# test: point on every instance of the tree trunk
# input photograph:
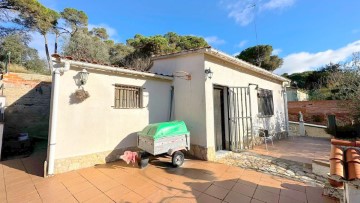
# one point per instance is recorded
(56, 43)
(47, 53)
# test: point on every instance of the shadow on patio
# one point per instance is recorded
(195, 181)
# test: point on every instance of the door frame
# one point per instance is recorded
(224, 117)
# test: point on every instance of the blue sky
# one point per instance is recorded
(306, 33)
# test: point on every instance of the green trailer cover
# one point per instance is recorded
(164, 129)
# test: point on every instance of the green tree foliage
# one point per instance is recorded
(33, 15)
(83, 45)
(162, 44)
(21, 53)
(261, 56)
(74, 19)
(100, 32)
(119, 53)
(316, 82)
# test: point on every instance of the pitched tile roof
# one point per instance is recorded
(71, 58)
(344, 162)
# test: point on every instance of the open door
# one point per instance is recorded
(240, 118)
(219, 118)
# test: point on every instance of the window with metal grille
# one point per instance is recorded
(128, 97)
(265, 102)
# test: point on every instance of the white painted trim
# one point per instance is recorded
(308, 124)
(113, 69)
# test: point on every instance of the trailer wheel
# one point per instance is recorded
(143, 159)
(177, 158)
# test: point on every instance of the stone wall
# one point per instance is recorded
(316, 112)
(27, 104)
(89, 160)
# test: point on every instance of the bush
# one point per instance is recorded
(346, 132)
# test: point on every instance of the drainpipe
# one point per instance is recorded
(54, 116)
(286, 84)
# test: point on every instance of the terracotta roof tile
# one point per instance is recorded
(336, 153)
(344, 166)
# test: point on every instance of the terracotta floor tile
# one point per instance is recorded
(200, 186)
(204, 198)
(80, 187)
(60, 194)
(159, 196)
(294, 194)
(285, 199)
(117, 193)
(99, 199)
(293, 186)
(107, 185)
(235, 197)
(61, 199)
(244, 189)
(87, 194)
(217, 191)
(269, 189)
(266, 196)
(181, 200)
(131, 197)
(24, 197)
(256, 201)
(189, 194)
(316, 197)
(227, 184)
(146, 190)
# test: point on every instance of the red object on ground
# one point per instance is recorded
(129, 156)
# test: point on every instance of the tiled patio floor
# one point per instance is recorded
(300, 149)
(196, 181)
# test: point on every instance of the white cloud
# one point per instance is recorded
(214, 40)
(277, 4)
(276, 51)
(242, 43)
(305, 61)
(243, 11)
(112, 32)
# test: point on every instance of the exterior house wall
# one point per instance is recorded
(93, 131)
(193, 100)
(189, 96)
(226, 74)
(294, 94)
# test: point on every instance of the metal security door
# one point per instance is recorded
(240, 119)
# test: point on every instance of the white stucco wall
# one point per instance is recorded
(95, 125)
(189, 95)
(193, 99)
(226, 74)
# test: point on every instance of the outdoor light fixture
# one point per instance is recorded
(209, 73)
(83, 76)
(256, 85)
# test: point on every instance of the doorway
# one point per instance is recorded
(219, 118)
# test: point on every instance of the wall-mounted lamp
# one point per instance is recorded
(83, 76)
(209, 73)
(256, 85)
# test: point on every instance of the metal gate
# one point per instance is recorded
(240, 118)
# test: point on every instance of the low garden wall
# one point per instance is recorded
(316, 112)
(312, 130)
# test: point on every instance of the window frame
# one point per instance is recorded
(129, 91)
(266, 107)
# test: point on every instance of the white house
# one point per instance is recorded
(295, 94)
(223, 101)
